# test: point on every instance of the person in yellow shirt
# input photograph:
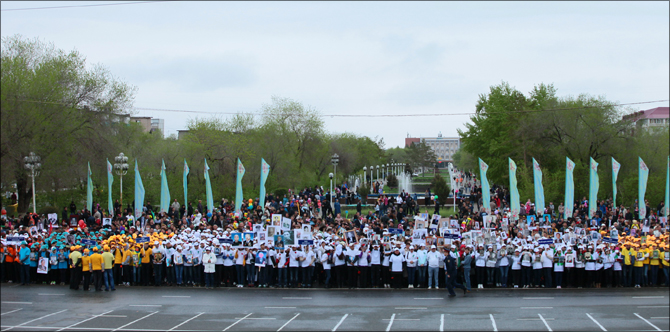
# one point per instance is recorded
(127, 265)
(75, 267)
(117, 250)
(86, 269)
(629, 258)
(645, 247)
(665, 262)
(654, 262)
(108, 261)
(97, 266)
(146, 264)
(638, 266)
(135, 254)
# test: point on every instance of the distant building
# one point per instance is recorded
(444, 147)
(182, 133)
(658, 117)
(149, 124)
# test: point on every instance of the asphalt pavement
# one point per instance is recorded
(57, 308)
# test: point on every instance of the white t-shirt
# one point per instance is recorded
(396, 262)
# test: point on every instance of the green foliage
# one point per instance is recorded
(280, 192)
(392, 181)
(541, 125)
(364, 190)
(49, 209)
(440, 188)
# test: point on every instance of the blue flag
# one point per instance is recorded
(139, 193)
(539, 189)
(569, 188)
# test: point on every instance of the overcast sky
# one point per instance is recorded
(361, 57)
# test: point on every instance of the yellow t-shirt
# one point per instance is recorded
(108, 258)
(655, 253)
(85, 260)
(626, 256)
(639, 258)
(96, 262)
(75, 256)
(647, 254)
(118, 256)
(146, 256)
(663, 261)
(126, 254)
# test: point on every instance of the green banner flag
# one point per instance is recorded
(208, 189)
(539, 189)
(238, 187)
(514, 191)
(486, 189)
(165, 191)
(186, 171)
(615, 173)
(139, 194)
(265, 170)
(110, 180)
(89, 191)
(642, 188)
(594, 184)
(569, 188)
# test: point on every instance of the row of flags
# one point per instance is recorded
(165, 191)
(643, 175)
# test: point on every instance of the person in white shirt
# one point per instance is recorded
(559, 266)
(295, 255)
(352, 257)
(396, 260)
(307, 266)
(386, 268)
(434, 257)
(282, 262)
(491, 258)
(422, 265)
(375, 262)
(339, 266)
(326, 261)
(547, 266)
(480, 265)
(537, 266)
(209, 262)
(228, 265)
(411, 258)
(516, 267)
(218, 251)
(364, 266)
(503, 263)
(240, 254)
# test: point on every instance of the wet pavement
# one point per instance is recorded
(57, 308)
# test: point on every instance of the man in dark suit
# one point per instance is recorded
(450, 271)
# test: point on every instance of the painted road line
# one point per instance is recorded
(538, 298)
(659, 317)
(146, 305)
(493, 321)
(259, 318)
(653, 306)
(9, 312)
(237, 321)
(296, 298)
(648, 297)
(399, 319)
(340, 322)
(186, 321)
(290, 320)
(411, 308)
(8, 302)
(174, 296)
(648, 322)
(441, 322)
(429, 298)
(545, 322)
(279, 307)
(36, 319)
(595, 321)
(537, 307)
(59, 327)
(388, 328)
(85, 320)
(547, 319)
(114, 316)
(46, 294)
(135, 321)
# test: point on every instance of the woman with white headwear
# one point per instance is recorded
(209, 262)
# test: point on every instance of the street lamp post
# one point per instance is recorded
(335, 159)
(121, 167)
(365, 174)
(377, 173)
(32, 163)
(371, 178)
(331, 190)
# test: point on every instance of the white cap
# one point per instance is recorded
(433, 247)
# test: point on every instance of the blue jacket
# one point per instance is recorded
(24, 255)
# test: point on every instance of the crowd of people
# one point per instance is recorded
(298, 240)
